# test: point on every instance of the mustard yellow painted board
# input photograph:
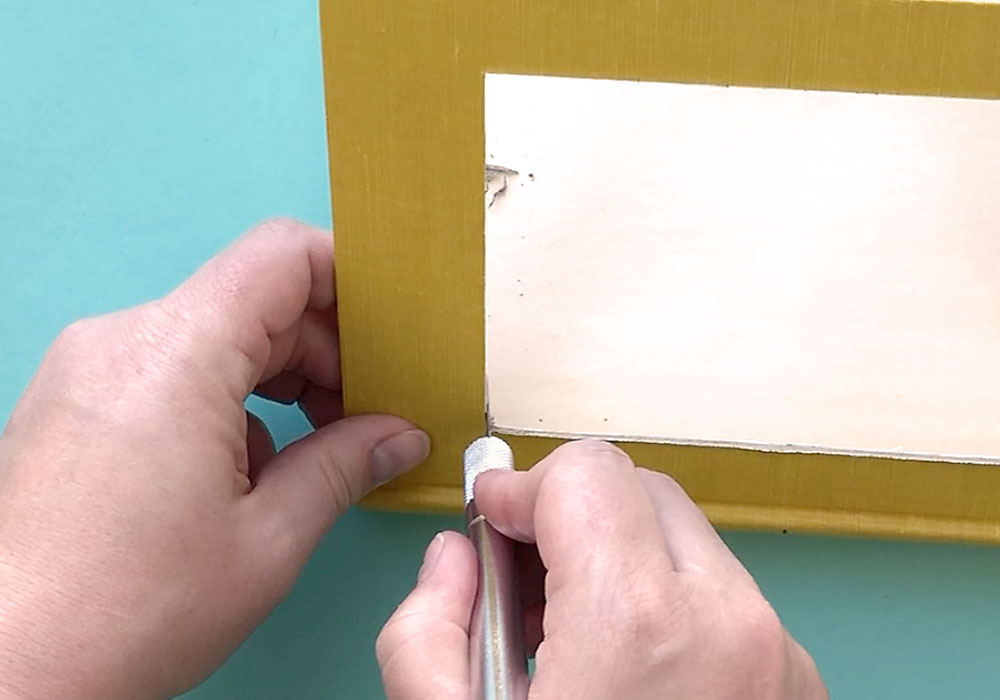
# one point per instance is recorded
(404, 90)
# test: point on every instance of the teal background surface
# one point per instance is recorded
(138, 138)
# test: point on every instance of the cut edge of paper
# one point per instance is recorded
(789, 448)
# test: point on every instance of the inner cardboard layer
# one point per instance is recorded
(787, 269)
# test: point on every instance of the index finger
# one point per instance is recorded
(586, 508)
(251, 293)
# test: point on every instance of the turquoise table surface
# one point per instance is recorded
(138, 138)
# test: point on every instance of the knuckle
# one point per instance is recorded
(666, 481)
(278, 586)
(385, 643)
(403, 630)
(411, 638)
(76, 337)
(334, 474)
(86, 353)
(283, 226)
(151, 326)
(762, 631)
(149, 337)
(758, 639)
(589, 454)
(575, 465)
(590, 448)
(76, 363)
(665, 478)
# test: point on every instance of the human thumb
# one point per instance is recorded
(423, 650)
(300, 492)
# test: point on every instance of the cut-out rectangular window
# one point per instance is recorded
(789, 269)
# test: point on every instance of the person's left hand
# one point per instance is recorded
(146, 523)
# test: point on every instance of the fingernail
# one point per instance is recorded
(399, 453)
(431, 557)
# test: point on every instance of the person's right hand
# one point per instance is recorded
(642, 599)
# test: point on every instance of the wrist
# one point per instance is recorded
(33, 669)
(16, 683)
(33, 646)
(10, 694)
(18, 680)
(15, 643)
